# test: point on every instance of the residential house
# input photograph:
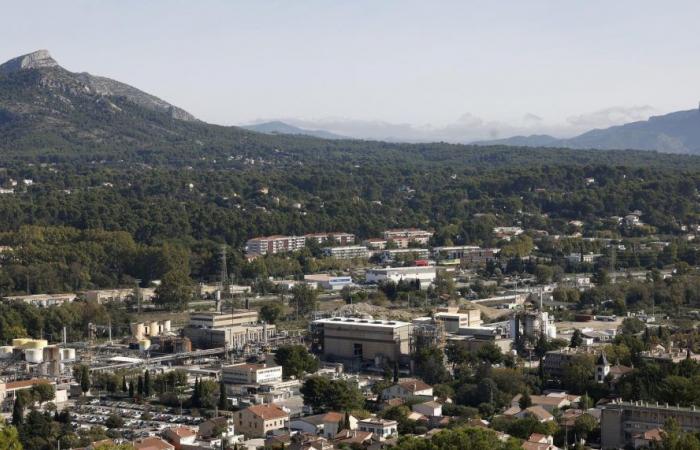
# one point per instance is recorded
(180, 436)
(538, 441)
(152, 443)
(259, 420)
(428, 409)
(380, 428)
(408, 389)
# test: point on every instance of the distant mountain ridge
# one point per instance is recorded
(57, 77)
(279, 127)
(676, 132)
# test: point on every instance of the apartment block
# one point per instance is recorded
(336, 238)
(346, 252)
(404, 236)
(270, 245)
(623, 422)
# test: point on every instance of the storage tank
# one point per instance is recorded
(144, 344)
(6, 351)
(166, 326)
(67, 354)
(138, 330)
(34, 355)
(19, 342)
(36, 343)
(153, 328)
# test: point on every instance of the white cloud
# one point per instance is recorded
(615, 115)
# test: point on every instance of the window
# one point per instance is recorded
(357, 350)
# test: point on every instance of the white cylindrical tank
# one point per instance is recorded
(67, 354)
(166, 326)
(153, 328)
(34, 355)
(6, 351)
(138, 330)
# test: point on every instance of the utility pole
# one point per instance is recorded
(224, 270)
(137, 291)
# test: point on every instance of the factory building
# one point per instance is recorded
(219, 320)
(424, 274)
(453, 319)
(364, 340)
(328, 282)
(251, 374)
(234, 330)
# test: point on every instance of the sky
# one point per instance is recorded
(405, 70)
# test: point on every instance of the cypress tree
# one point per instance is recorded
(124, 386)
(147, 384)
(84, 379)
(196, 393)
(139, 386)
(17, 412)
(131, 389)
(223, 400)
(346, 422)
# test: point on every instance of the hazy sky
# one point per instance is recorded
(434, 67)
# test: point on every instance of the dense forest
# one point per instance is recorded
(105, 220)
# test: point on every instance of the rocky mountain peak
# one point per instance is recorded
(35, 60)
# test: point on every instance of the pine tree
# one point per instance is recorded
(576, 339)
(18, 412)
(525, 400)
(346, 422)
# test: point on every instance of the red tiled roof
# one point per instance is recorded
(152, 443)
(24, 384)
(333, 417)
(182, 431)
(414, 385)
(268, 412)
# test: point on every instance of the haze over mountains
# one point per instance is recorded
(44, 107)
(677, 132)
(279, 127)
